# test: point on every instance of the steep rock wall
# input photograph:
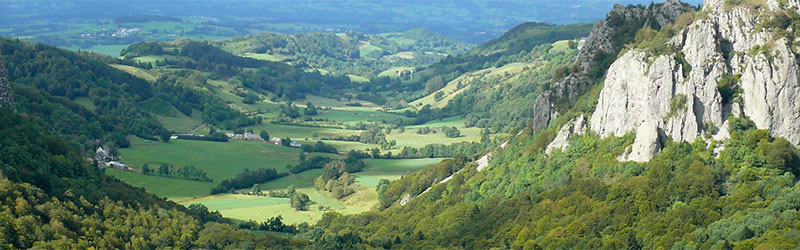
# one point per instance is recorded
(641, 89)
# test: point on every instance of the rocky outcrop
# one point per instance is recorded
(605, 41)
(577, 127)
(677, 95)
(6, 95)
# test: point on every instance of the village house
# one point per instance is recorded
(119, 165)
(249, 136)
(276, 141)
(102, 155)
(295, 144)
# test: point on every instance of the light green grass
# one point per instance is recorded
(365, 48)
(357, 79)
(451, 90)
(147, 75)
(403, 55)
(109, 50)
(220, 160)
(158, 106)
(333, 103)
(264, 56)
(300, 132)
(181, 123)
(357, 116)
(258, 208)
(171, 188)
(390, 169)
(86, 103)
(304, 179)
(392, 72)
(412, 139)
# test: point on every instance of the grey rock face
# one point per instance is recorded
(577, 127)
(6, 95)
(600, 42)
(641, 92)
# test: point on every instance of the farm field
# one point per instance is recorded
(451, 90)
(300, 132)
(264, 56)
(392, 72)
(412, 139)
(355, 116)
(391, 169)
(220, 160)
(259, 208)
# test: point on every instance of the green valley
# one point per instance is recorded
(665, 125)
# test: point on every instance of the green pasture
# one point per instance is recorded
(391, 169)
(220, 160)
(259, 208)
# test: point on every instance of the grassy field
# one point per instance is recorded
(337, 104)
(357, 78)
(357, 116)
(220, 160)
(451, 90)
(109, 50)
(365, 48)
(412, 139)
(246, 207)
(391, 169)
(301, 132)
(264, 56)
(392, 72)
(304, 179)
(86, 103)
(181, 123)
(150, 76)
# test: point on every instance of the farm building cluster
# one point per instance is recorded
(104, 159)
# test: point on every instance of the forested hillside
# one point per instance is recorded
(54, 199)
(571, 184)
(349, 52)
(495, 85)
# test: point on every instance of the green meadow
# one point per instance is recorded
(260, 208)
(220, 160)
(391, 169)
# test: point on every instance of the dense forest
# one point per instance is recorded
(276, 80)
(54, 199)
(49, 82)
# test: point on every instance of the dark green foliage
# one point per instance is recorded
(53, 199)
(142, 49)
(416, 182)
(48, 78)
(584, 198)
(310, 109)
(435, 150)
(300, 201)
(315, 162)
(451, 132)
(264, 135)
(320, 147)
(728, 87)
(274, 224)
(185, 172)
(201, 212)
(246, 179)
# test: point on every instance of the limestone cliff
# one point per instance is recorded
(605, 41)
(682, 95)
(6, 95)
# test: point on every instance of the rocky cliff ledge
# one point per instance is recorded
(732, 60)
(606, 40)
